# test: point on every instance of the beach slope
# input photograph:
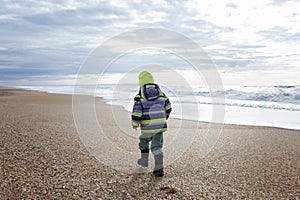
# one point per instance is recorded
(42, 156)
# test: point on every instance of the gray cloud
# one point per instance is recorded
(55, 37)
(280, 2)
(280, 34)
(232, 5)
(97, 16)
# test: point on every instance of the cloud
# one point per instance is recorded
(40, 38)
(280, 34)
(231, 5)
(281, 2)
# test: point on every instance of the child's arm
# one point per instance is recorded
(136, 115)
(168, 107)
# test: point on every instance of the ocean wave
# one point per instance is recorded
(241, 103)
(269, 97)
(279, 94)
(266, 97)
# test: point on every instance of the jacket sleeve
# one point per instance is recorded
(168, 107)
(137, 113)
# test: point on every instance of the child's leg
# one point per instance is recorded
(157, 143)
(156, 148)
(144, 143)
(144, 147)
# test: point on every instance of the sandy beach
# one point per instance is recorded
(42, 157)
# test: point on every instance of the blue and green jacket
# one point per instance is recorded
(151, 109)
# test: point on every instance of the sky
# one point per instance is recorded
(250, 42)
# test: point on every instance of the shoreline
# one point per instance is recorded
(42, 156)
(106, 102)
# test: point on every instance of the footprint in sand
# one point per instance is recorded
(168, 190)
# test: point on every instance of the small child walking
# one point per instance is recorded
(150, 112)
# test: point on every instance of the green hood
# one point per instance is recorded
(145, 77)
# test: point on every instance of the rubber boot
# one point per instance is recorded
(159, 165)
(143, 161)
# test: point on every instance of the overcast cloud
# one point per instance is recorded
(53, 38)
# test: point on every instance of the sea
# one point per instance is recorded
(272, 106)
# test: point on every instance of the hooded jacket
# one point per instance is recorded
(151, 106)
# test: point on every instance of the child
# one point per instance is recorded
(150, 111)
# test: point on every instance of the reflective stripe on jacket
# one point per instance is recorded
(151, 109)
